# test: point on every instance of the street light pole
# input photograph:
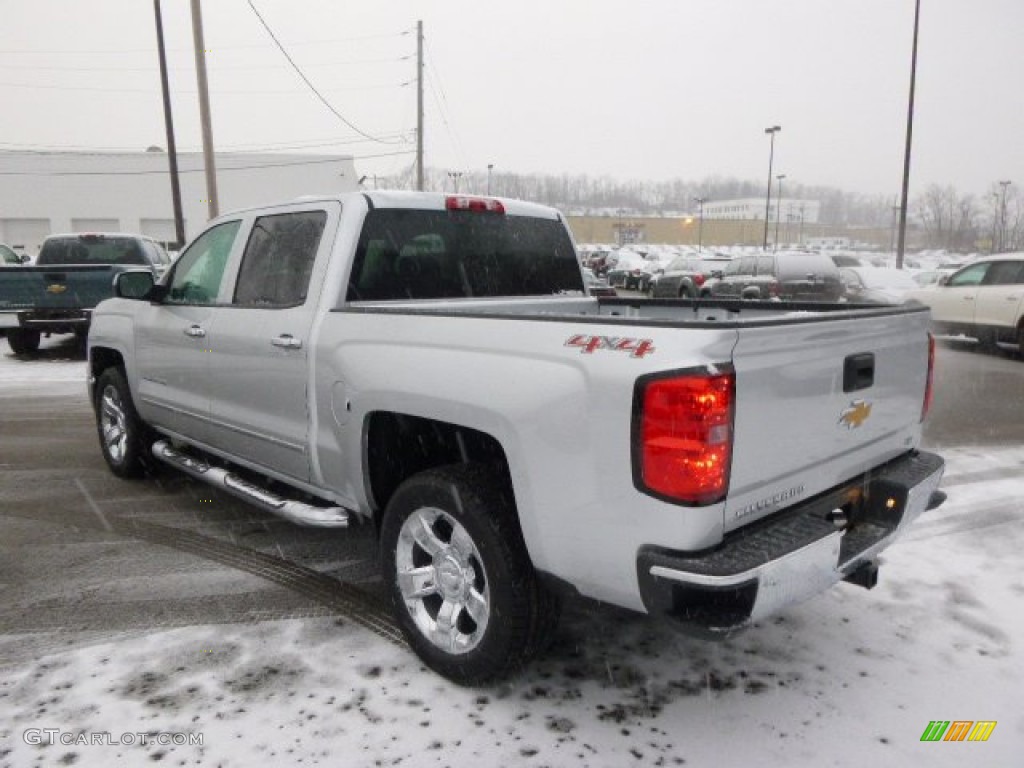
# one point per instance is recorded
(490, 167)
(700, 222)
(902, 242)
(768, 199)
(172, 150)
(1002, 216)
(778, 211)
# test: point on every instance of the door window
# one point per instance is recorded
(200, 270)
(1005, 273)
(278, 259)
(971, 275)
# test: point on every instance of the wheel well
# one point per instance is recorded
(100, 359)
(399, 446)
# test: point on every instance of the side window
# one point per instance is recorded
(278, 259)
(765, 265)
(1005, 273)
(199, 271)
(971, 275)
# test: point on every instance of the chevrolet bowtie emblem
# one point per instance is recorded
(854, 416)
(56, 288)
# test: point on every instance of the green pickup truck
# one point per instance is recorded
(70, 276)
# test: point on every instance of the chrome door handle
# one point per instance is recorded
(287, 341)
(195, 331)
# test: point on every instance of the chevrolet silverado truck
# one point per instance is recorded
(71, 275)
(434, 365)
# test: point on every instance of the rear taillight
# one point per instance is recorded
(928, 391)
(699, 279)
(477, 204)
(682, 447)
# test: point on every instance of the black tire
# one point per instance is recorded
(124, 438)
(478, 575)
(23, 341)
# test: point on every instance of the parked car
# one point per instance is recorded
(434, 394)
(685, 277)
(597, 286)
(629, 271)
(71, 275)
(876, 285)
(783, 275)
(984, 300)
(927, 277)
(9, 256)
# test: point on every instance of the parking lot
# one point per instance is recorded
(93, 562)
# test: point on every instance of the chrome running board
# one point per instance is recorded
(296, 511)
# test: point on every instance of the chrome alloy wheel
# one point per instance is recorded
(113, 423)
(442, 580)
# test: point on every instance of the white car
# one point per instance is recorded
(876, 285)
(984, 299)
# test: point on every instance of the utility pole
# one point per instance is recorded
(768, 198)
(902, 242)
(172, 151)
(490, 167)
(204, 109)
(419, 105)
(700, 222)
(778, 212)
(1002, 216)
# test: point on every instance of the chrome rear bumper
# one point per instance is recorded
(759, 570)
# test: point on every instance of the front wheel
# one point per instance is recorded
(460, 581)
(124, 437)
(23, 341)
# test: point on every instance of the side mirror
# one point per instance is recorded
(134, 284)
(944, 280)
(25, 258)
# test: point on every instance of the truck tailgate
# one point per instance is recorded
(56, 287)
(820, 402)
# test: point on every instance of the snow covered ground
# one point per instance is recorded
(850, 678)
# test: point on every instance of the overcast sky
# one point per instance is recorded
(644, 89)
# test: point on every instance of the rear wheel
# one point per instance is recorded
(460, 581)
(23, 341)
(124, 437)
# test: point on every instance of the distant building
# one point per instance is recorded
(792, 210)
(45, 193)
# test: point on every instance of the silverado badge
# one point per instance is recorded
(854, 416)
(56, 288)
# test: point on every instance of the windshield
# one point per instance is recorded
(90, 249)
(417, 254)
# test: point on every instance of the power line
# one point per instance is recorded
(201, 170)
(219, 67)
(218, 91)
(149, 51)
(442, 103)
(307, 81)
(58, 149)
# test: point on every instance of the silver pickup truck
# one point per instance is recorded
(434, 364)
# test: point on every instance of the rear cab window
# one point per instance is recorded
(91, 249)
(421, 254)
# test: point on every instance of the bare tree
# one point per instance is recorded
(948, 219)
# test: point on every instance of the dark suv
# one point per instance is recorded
(784, 275)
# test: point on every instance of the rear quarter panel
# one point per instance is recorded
(563, 418)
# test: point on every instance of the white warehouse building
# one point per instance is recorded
(59, 192)
(794, 210)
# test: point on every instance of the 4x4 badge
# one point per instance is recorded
(855, 416)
